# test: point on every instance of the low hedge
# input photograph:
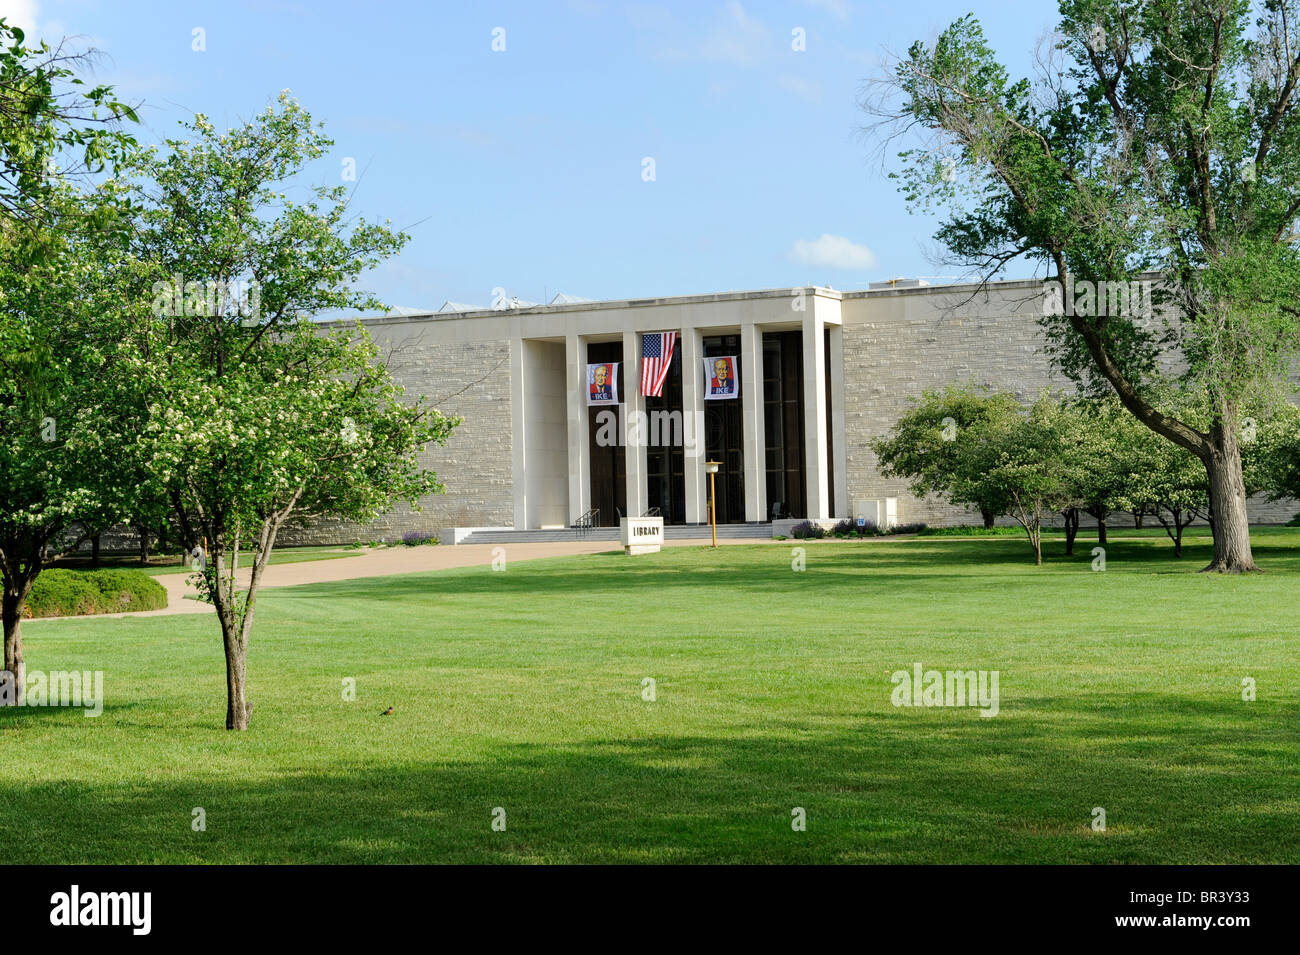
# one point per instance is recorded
(69, 593)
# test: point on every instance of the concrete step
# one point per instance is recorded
(671, 532)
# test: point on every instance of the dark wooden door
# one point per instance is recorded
(608, 458)
(724, 437)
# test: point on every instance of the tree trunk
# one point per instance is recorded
(237, 709)
(1071, 530)
(1101, 529)
(1178, 537)
(94, 551)
(1232, 554)
(144, 544)
(988, 517)
(12, 613)
(1137, 519)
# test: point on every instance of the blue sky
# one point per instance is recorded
(523, 169)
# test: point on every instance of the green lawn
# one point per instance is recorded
(522, 690)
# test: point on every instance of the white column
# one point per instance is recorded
(634, 426)
(755, 443)
(814, 415)
(575, 350)
(519, 429)
(839, 443)
(697, 500)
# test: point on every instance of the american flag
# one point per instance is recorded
(656, 356)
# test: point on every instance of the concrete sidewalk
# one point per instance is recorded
(380, 563)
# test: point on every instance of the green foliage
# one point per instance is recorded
(971, 530)
(1163, 135)
(253, 412)
(936, 444)
(65, 593)
(62, 319)
(1273, 459)
(1160, 136)
(54, 129)
(249, 413)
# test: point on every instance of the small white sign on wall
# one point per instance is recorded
(641, 535)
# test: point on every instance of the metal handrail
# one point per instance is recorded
(587, 521)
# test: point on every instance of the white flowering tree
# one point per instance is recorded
(251, 413)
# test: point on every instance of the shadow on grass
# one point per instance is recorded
(1181, 781)
(832, 567)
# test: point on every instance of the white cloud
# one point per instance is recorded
(834, 252)
(19, 13)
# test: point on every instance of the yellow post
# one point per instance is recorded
(712, 468)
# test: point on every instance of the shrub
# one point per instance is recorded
(1294, 522)
(845, 527)
(972, 530)
(916, 527)
(69, 593)
(416, 538)
(807, 530)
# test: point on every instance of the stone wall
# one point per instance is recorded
(466, 379)
(898, 344)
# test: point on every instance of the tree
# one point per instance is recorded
(1162, 135)
(59, 325)
(1274, 461)
(54, 130)
(55, 230)
(1161, 479)
(1102, 434)
(931, 444)
(1170, 484)
(252, 414)
(1032, 463)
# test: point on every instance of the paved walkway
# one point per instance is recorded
(383, 562)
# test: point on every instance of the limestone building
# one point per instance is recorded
(821, 373)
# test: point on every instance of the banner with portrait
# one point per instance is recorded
(602, 383)
(720, 381)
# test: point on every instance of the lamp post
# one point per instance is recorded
(711, 469)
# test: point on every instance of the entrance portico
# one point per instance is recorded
(788, 354)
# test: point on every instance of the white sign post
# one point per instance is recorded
(641, 535)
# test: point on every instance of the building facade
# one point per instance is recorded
(820, 375)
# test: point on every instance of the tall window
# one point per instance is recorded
(665, 455)
(608, 461)
(724, 437)
(783, 430)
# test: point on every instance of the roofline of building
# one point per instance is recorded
(814, 290)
